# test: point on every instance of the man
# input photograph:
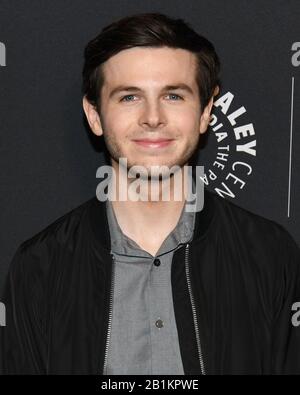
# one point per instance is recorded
(147, 286)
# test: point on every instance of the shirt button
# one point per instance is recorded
(156, 262)
(159, 324)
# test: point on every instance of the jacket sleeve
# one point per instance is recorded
(23, 339)
(286, 318)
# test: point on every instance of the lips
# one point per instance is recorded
(153, 141)
(157, 143)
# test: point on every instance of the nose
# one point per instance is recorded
(152, 115)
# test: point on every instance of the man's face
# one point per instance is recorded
(150, 94)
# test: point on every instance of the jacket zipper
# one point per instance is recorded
(187, 271)
(110, 314)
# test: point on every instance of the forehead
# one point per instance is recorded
(144, 65)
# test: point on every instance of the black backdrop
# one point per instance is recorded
(48, 161)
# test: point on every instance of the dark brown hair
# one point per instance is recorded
(149, 30)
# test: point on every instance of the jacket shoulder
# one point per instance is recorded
(262, 242)
(246, 222)
(35, 254)
(62, 230)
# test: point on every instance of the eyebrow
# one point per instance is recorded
(125, 88)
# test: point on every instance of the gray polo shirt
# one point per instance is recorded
(144, 338)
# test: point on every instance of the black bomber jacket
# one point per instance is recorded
(235, 287)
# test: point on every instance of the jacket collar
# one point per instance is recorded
(98, 220)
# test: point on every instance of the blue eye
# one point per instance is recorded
(173, 94)
(125, 97)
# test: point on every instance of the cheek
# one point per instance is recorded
(118, 128)
(186, 119)
(121, 113)
(188, 128)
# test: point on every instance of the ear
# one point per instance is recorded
(92, 116)
(205, 117)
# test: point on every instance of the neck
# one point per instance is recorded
(152, 208)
